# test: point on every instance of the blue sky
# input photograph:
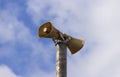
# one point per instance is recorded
(23, 54)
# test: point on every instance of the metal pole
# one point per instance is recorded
(61, 60)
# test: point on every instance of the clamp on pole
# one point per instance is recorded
(62, 40)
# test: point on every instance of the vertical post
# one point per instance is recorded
(61, 60)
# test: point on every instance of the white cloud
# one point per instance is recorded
(103, 59)
(98, 22)
(5, 71)
(37, 72)
(13, 31)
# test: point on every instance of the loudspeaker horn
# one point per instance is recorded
(75, 45)
(48, 31)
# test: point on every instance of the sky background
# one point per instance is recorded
(23, 54)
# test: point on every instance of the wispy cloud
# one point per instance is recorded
(19, 48)
(5, 71)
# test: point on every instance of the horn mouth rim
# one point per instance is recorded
(41, 32)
